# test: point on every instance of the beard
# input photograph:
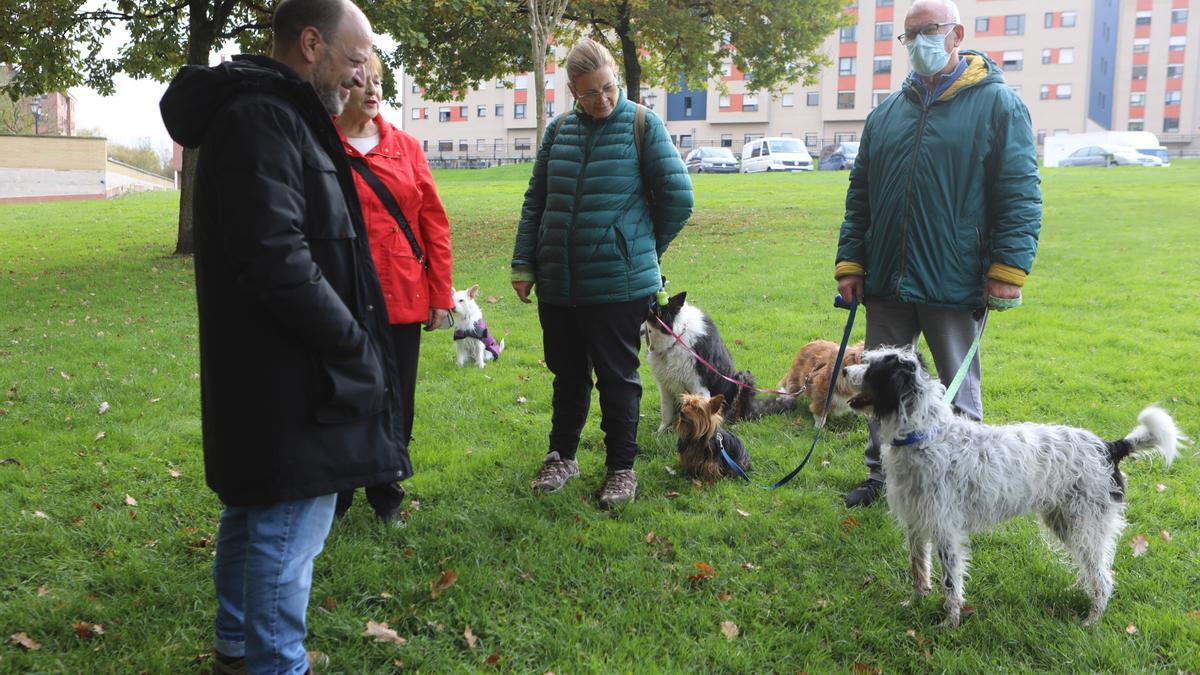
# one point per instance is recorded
(328, 87)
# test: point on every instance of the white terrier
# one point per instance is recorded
(949, 476)
(472, 339)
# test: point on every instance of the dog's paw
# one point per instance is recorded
(950, 622)
(662, 428)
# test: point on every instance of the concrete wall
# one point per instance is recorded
(39, 168)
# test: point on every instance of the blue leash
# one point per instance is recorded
(840, 303)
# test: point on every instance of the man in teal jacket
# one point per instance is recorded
(943, 210)
(604, 201)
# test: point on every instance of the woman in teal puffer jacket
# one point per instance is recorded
(598, 215)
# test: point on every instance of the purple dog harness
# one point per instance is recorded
(479, 331)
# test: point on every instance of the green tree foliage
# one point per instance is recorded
(143, 156)
(454, 45)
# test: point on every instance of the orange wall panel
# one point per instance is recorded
(883, 14)
(521, 96)
(881, 81)
(845, 82)
(1175, 57)
(1137, 85)
(884, 47)
(1175, 84)
(1171, 110)
(1137, 112)
(1179, 29)
(1141, 31)
(1141, 58)
(847, 49)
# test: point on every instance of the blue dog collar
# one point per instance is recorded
(915, 437)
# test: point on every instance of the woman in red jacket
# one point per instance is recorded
(410, 244)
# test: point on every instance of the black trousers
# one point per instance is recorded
(406, 339)
(603, 338)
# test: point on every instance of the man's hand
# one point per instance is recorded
(438, 318)
(522, 288)
(1000, 289)
(851, 287)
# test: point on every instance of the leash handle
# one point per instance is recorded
(840, 302)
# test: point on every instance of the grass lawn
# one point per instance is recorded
(106, 525)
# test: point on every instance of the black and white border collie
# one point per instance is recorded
(677, 372)
(949, 476)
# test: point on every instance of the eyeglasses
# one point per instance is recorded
(608, 90)
(928, 31)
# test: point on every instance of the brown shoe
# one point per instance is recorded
(620, 486)
(228, 665)
(554, 474)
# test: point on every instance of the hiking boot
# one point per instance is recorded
(865, 494)
(554, 474)
(318, 662)
(228, 665)
(620, 486)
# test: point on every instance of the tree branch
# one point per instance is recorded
(109, 15)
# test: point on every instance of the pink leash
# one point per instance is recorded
(713, 368)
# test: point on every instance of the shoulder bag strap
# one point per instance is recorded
(389, 203)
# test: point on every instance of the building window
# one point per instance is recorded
(1136, 125)
(521, 82)
(481, 145)
(849, 33)
(499, 145)
(845, 137)
(1137, 99)
(1041, 137)
(883, 31)
(724, 102)
(884, 3)
(521, 143)
(462, 112)
(687, 106)
(685, 140)
(1174, 71)
(519, 111)
(727, 68)
(810, 140)
(812, 98)
(1139, 72)
(1063, 91)
(1014, 24)
(549, 108)
(726, 140)
(1142, 18)
(1049, 23)
(750, 103)
(981, 24)
(1174, 98)
(649, 101)
(549, 80)
(750, 137)
(446, 146)
(845, 100)
(788, 100)
(463, 145)
(499, 84)
(878, 97)
(1044, 92)
(1067, 20)
(416, 88)
(1179, 15)
(416, 113)
(846, 65)
(425, 145)
(1177, 43)
(1067, 55)
(499, 110)
(1013, 60)
(1141, 45)
(481, 111)
(883, 64)
(1046, 55)
(1170, 125)
(443, 114)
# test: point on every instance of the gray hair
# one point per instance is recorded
(293, 16)
(951, 9)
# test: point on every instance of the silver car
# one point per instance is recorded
(1108, 155)
(711, 160)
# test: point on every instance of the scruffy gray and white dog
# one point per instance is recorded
(949, 476)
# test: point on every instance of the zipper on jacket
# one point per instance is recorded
(908, 198)
(588, 144)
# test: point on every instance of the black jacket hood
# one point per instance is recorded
(198, 92)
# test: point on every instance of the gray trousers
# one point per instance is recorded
(949, 334)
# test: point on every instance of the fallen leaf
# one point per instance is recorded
(729, 629)
(522, 399)
(130, 500)
(492, 659)
(100, 434)
(470, 637)
(824, 463)
(173, 473)
(1131, 629)
(330, 603)
(43, 590)
(65, 374)
(155, 400)
(492, 299)
(1160, 487)
(442, 583)
(103, 408)
(671, 471)
(385, 595)
(39, 514)
(24, 641)
(399, 663)
(822, 603)
(750, 566)
(650, 537)
(864, 668)
(742, 513)
(704, 572)
(738, 342)
(850, 521)
(382, 633)
(1139, 544)
(415, 504)
(1166, 536)
(671, 494)
(724, 595)
(83, 629)
(697, 484)
(1194, 614)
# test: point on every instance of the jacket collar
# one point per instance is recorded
(979, 70)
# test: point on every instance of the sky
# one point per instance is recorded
(131, 114)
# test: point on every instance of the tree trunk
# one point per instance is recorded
(200, 39)
(539, 83)
(629, 54)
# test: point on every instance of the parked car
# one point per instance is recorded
(775, 154)
(711, 160)
(838, 156)
(1108, 155)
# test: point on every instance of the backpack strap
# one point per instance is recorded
(639, 129)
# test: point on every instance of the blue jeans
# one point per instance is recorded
(263, 574)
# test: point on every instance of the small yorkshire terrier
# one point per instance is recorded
(811, 372)
(701, 439)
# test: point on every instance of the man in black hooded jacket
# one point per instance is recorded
(295, 375)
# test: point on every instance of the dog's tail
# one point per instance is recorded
(1155, 432)
(743, 401)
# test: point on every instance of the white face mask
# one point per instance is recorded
(928, 54)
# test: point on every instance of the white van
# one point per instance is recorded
(775, 154)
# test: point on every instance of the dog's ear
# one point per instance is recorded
(472, 291)
(715, 403)
(677, 300)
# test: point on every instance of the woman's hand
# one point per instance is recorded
(522, 288)
(438, 318)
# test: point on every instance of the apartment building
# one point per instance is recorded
(1079, 65)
